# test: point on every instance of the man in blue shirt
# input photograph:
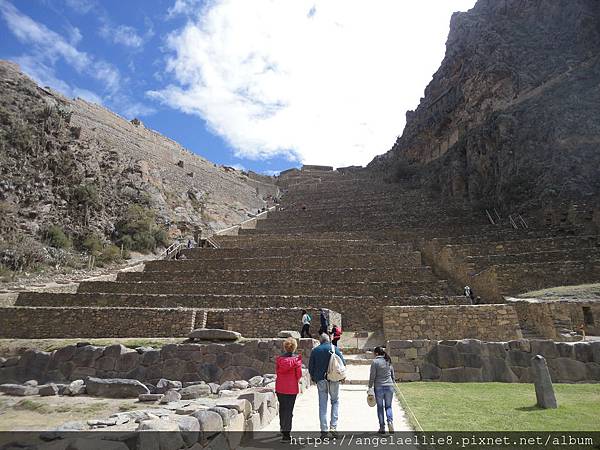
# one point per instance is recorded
(317, 367)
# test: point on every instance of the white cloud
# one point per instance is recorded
(81, 6)
(321, 81)
(122, 34)
(183, 7)
(48, 46)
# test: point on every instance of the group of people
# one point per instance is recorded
(289, 373)
(335, 333)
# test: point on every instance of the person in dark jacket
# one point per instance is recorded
(382, 378)
(288, 367)
(317, 367)
(324, 317)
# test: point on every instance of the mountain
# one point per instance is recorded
(75, 168)
(511, 119)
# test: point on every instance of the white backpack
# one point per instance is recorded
(336, 370)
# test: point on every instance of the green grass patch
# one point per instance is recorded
(500, 407)
(580, 291)
(30, 405)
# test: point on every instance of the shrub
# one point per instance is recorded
(137, 230)
(93, 244)
(111, 253)
(57, 237)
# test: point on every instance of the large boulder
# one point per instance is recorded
(210, 422)
(189, 428)
(115, 387)
(214, 334)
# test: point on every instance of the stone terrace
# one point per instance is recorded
(384, 257)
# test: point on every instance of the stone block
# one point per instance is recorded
(469, 346)
(519, 358)
(462, 375)
(546, 348)
(398, 344)
(150, 397)
(195, 391)
(170, 396)
(404, 376)
(565, 350)
(288, 333)
(496, 369)
(163, 385)
(207, 334)
(583, 352)
(593, 371)
(115, 387)
(430, 372)
(128, 361)
(520, 344)
(566, 370)
(256, 399)
(544, 391)
(445, 357)
(189, 427)
(18, 390)
(150, 357)
(105, 363)
(210, 422)
(47, 390)
(596, 351)
(472, 360)
(86, 356)
(65, 353)
(76, 387)
(496, 349)
(240, 405)
(115, 351)
(225, 413)
(167, 438)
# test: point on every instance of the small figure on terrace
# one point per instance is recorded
(336, 334)
(306, 320)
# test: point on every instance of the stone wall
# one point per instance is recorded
(451, 322)
(472, 360)
(549, 318)
(255, 322)
(86, 322)
(359, 313)
(213, 362)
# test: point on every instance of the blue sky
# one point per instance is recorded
(262, 85)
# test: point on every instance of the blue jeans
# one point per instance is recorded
(328, 389)
(384, 396)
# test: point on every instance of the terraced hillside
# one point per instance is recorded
(380, 260)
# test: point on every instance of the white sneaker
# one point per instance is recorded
(391, 427)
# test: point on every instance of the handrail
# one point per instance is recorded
(239, 225)
(490, 217)
(171, 249)
(212, 242)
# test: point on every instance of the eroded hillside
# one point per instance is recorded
(80, 169)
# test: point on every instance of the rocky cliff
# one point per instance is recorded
(512, 116)
(78, 166)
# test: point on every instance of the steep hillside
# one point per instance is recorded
(512, 117)
(82, 169)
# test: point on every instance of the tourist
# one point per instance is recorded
(468, 294)
(383, 380)
(317, 367)
(288, 367)
(336, 334)
(324, 318)
(306, 320)
(190, 244)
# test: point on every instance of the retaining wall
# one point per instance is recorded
(214, 362)
(89, 322)
(451, 322)
(472, 360)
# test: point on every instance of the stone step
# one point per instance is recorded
(322, 275)
(400, 288)
(272, 251)
(364, 260)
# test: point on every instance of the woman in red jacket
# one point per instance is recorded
(289, 371)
